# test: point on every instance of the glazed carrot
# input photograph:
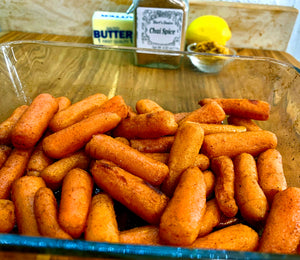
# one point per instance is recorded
(156, 145)
(115, 104)
(249, 196)
(144, 106)
(69, 140)
(34, 121)
(149, 125)
(145, 235)
(246, 122)
(161, 157)
(53, 174)
(210, 182)
(224, 190)
(76, 197)
(63, 103)
(38, 161)
(132, 191)
(4, 153)
(76, 112)
(123, 140)
(246, 108)
(7, 216)
(237, 237)
(45, 211)
(186, 146)
(6, 127)
(232, 144)
(102, 224)
(180, 116)
(22, 194)
(202, 161)
(281, 234)
(131, 112)
(105, 147)
(211, 218)
(180, 222)
(270, 173)
(13, 168)
(219, 128)
(211, 113)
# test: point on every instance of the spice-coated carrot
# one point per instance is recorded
(211, 113)
(156, 145)
(246, 122)
(63, 103)
(38, 161)
(13, 168)
(161, 157)
(123, 140)
(237, 237)
(45, 211)
(145, 235)
(270, 173)
(211, 218)
(7, 216)
(22, 194)
(132, 191)
(186, 146)
(233, 144)
(6, 127)
(102, 224)
(115, 104)
(281, 234)
(246, 108)
(249, 196)
(224, 190)
(105, 147)
(210, 182)
(220, 128)
(70, 139)
(76, 197)
(76, 112)
(53, 174)
(149, 125)
(4, 153)
(147, 106)
(34, 121)
(180, 222)
(202, 161)
(180, 116)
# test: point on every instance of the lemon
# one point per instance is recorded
(208, 28)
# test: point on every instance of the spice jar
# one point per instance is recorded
(159, 25)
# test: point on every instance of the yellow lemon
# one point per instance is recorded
(208, 28)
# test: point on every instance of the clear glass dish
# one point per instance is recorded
(78, 70)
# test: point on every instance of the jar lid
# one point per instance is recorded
(133, 6)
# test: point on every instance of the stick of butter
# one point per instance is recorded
(112, 28)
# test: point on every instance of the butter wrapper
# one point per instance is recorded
(113, 28)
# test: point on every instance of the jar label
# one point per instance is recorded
(159, 28)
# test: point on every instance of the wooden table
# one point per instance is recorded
(19, 36)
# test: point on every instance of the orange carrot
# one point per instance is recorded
(13, 168)
(45, 211)
(7, 126)
(69, 140)
(180, 222)
(63, 103)
(76, 197)
(4, 153)
(76, 112)
(22, 194)
(147, 106)
(145, 235)
(246, 108)
(105, 147)
(102, 224)
(34, 121)
(156, 145)
(246, 122)
(210, 182)
(132, 191)
(7, 216)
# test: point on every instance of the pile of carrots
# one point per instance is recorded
(196, 181)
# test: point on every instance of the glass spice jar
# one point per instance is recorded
(159, 25)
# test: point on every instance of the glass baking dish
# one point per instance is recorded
(28, 68)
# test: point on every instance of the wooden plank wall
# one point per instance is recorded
(252, 25)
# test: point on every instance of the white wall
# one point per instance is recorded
(294, 43)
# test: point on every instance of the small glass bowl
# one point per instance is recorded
(209, 62)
